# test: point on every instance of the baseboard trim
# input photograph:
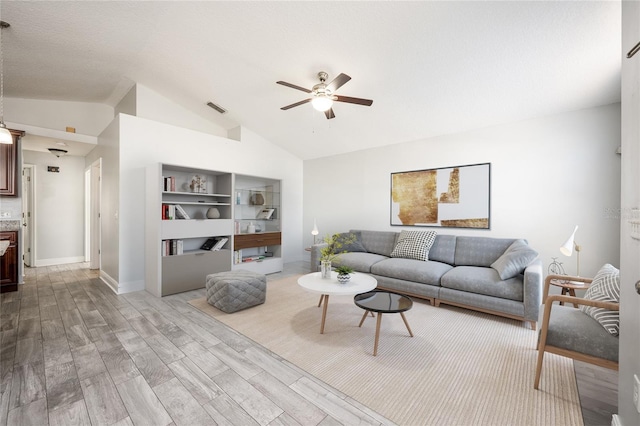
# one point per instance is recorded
(110, 282)
(58, 261)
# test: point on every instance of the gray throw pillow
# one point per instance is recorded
(606, 288)
(351, 242)
(514, 260)
(414, 244)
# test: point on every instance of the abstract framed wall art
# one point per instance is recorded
(450, 197)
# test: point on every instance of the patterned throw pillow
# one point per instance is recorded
(606, 288)
(414, 244)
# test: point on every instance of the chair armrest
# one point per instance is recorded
(612, 306)
(547, 282)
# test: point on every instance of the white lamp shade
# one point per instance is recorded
(322, 103)
(567, 247)
(5, 135)
(314, 231)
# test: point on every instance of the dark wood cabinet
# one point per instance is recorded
(243, 241)
(9, 263)
(9, 166)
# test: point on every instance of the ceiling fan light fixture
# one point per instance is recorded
(5, 135)
(58, 152)
(322, 103)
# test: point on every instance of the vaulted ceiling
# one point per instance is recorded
(431, 68)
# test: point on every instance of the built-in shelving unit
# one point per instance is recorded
(177, 226)
(257, 224)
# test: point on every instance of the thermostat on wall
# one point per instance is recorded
(53, 169)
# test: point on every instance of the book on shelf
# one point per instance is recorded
(181, 213)
(252, 258)
(168, 212)
(169, 183)
(265, 214)
(172, 247)
(221, 241)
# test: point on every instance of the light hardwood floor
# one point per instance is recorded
(73, 352)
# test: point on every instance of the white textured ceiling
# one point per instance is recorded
(431, 68)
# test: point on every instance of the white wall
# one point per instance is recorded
(59, 209)
(144, 142)
(87, 118)
(154, 106)
(547, 175)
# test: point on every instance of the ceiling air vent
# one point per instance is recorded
(217, 107)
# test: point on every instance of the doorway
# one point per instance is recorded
(28, 214)
(93, 189)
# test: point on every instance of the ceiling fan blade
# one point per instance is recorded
(338, 82)
(329, 113)
(293, 86)
(284, 108)
(359, 101)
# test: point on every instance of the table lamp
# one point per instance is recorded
(568, 247)
(314, 231)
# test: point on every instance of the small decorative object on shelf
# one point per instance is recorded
(198, 184)
(343, 274)
(251, 229)
(556, 268)
(213, 213)
(257, 199)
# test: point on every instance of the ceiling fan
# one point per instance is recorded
(323, 95)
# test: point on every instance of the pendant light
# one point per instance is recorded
(5, 134)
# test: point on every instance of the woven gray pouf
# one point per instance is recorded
(235, 290)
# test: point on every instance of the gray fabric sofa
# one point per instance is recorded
(457, 273)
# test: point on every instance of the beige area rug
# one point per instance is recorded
(461, 368)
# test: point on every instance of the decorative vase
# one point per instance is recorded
(325, 269)
(213, 213)
(251, 229)
(343, 278)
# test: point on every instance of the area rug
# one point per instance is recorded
(460, 368)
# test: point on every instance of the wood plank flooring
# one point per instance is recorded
(73, 352)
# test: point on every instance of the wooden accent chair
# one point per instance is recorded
(569, 332)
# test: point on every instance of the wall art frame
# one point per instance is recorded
(445, 197)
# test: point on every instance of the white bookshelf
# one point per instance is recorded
(174, 273)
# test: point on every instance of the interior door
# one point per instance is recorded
(630, 217)
(95, 239)
(27, 214)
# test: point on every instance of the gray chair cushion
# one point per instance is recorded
(425, 272)
(350, 242)
(485, 281)
(572, 329)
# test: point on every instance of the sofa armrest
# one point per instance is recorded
(315, 256)
(533, 290)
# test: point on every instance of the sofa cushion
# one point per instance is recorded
(514, 260)
(443, 249)
(425, 272)
(378, 242)
(350, 242)
(358, 261)
(414, 245)
(480, 251)
(605, 287)
(479, 280)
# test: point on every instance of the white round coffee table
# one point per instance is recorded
(314, 283)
